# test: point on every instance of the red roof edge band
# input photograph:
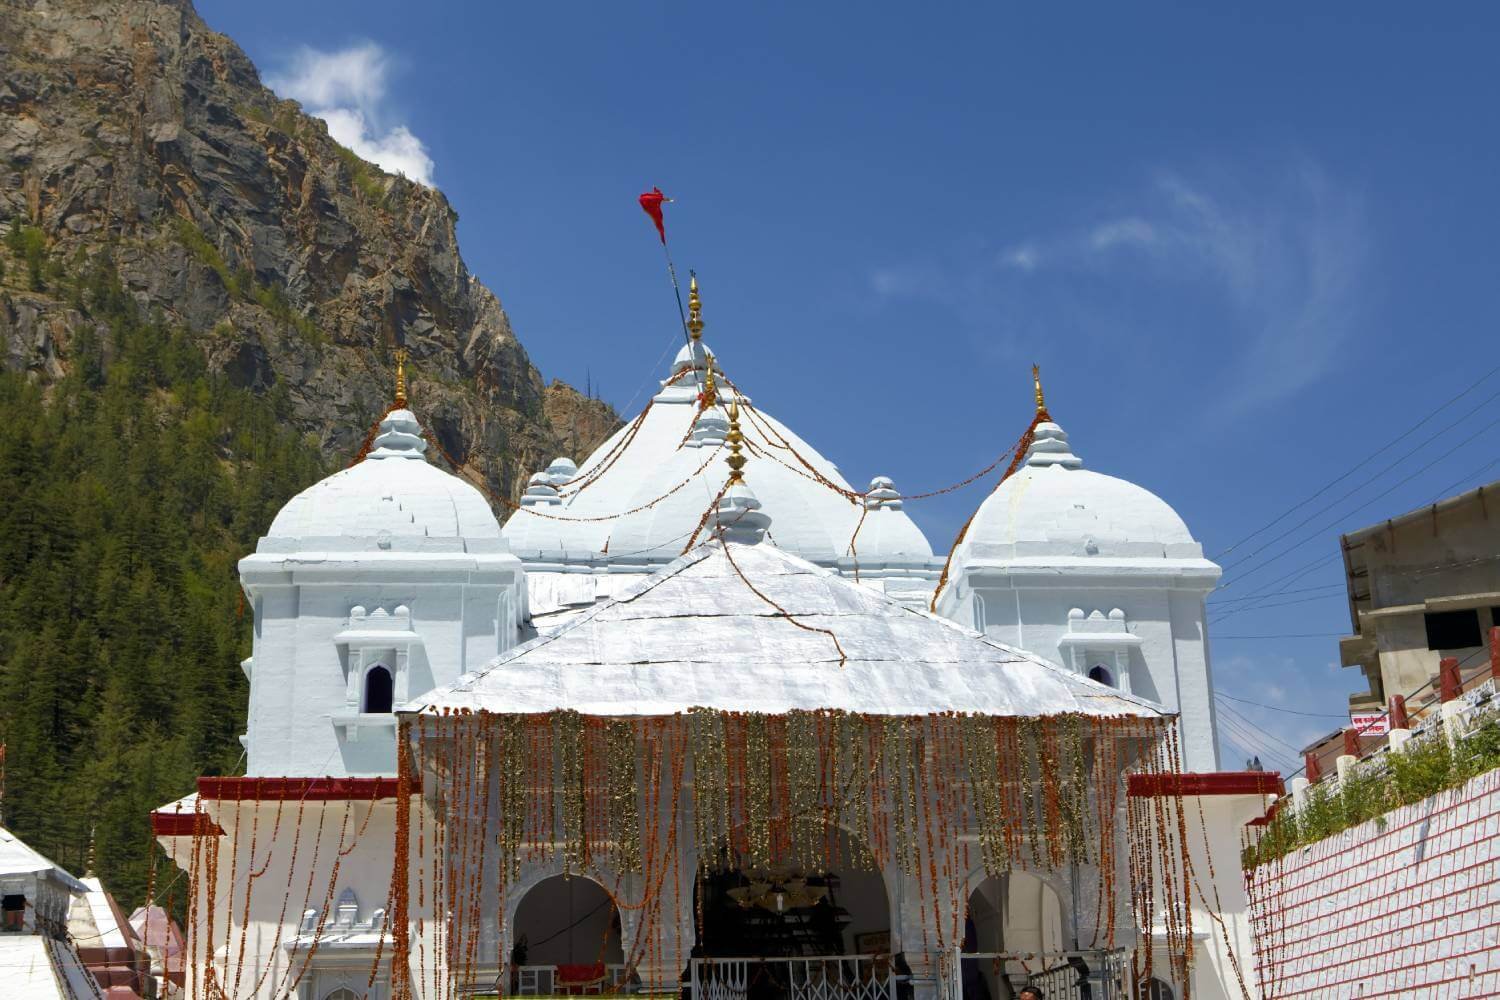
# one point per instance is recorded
(180, 824)
(297, 789)
(1211, 783)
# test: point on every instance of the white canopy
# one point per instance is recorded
(695, 635)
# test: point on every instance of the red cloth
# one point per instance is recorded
(580, 974)
(651, 203)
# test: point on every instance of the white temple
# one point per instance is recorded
(1087, 570)
(635, 586)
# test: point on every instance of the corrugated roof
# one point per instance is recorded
(695, 635)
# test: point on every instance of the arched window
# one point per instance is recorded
(1101, 674)
(1156, 989)
(342, 993)
(380, 690)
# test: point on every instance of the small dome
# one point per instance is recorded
(887, 534)
(394, 494)
(1054, 506)
(692, 355)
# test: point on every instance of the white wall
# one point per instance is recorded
(1170, 666)
(298, 680)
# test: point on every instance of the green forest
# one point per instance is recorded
(134, 484)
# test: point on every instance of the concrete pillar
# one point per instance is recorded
(1344, 765)
(1397, 740)
(1453, 720)
(1300, 785)
(1450, 682)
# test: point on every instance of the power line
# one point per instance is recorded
(1291, 603)
(1251, 729)
(1409, 695)
(1447, 491)
(1376, 454)
(1288, 578)
(1311, 566)
(1304, 590)
(1287, 635)
(1273, 708)
(1327, 507)
(1249, 743)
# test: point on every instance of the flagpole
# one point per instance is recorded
(677, 290)
(651, 202)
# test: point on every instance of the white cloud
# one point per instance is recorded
(1122, 232)
(347, 89)
(1022, 258)
(1267, 266)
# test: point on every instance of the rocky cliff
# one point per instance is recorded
(129, 129)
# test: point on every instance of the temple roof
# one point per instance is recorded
(392, 499)
(19, 858)
(1053, 512)
(666, 469)
(695, 634)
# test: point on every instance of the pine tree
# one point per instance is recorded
(133, 487)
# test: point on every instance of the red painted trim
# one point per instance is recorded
(1211, 783)
(297, 789)
(180, 824)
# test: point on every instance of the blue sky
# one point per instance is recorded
(1248, 247)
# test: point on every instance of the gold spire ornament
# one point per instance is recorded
(695, 309)
(710, 391)
(735, 461)
(401, 356)
(1041, 402)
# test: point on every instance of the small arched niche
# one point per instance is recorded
(380, 691)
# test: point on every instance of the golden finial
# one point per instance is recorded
(1041, 402)
(401, 356)
(695, 308)
(736, 461)
(710, 391)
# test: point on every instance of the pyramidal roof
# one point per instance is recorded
(695, 634)
(19, 858)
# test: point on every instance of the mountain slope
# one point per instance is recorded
(200, 295)
(128, 126)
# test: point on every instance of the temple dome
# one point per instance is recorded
(393, 498)
(1053, 506)
(666, 470)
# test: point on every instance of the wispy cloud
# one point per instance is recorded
(1269, 266)
(347, 89)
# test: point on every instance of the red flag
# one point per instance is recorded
(651, 203)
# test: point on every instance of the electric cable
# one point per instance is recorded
(1366, 461)
(1386, 492)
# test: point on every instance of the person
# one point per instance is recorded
(1031, 993)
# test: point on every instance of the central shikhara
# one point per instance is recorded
(702, 732)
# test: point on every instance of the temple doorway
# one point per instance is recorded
(795, 929)
(567, 940)
(1012, 937)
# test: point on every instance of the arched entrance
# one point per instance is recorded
(567, 940)
(794, 928)
(1012, 937)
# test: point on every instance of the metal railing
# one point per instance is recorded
(1060, 975)
(820, 977)
(543, 981)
